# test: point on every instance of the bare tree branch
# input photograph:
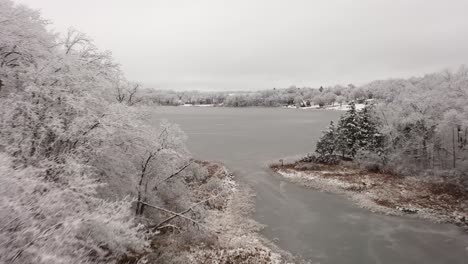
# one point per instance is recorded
(177, 172)
(174, 213)
(131, 94)
(170, 226)
(144, 167)
(158, 226)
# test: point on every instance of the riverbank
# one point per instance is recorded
(227, 233)
(428, 198)
(337, 107)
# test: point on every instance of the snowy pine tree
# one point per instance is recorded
(368, 136)
(348, 132)
(326, 146)
(356, 131)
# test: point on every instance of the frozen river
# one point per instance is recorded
(323, 228)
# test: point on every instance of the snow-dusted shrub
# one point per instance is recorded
(213, 185)
(61, 222)
(370, 161)
(199, 173)
(309, 158)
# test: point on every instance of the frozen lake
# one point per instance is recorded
(323, 228)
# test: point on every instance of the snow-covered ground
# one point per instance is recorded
(311, 107)
(199, 105)
(385, 193)
(227, 210)
(343, 107)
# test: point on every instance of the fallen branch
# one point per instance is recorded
(179, 171)
(158, 226)
(170, 226)
(172, 175)
(174, 213)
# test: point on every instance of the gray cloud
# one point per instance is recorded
(242, 44)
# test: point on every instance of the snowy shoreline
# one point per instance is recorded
(234, 233)
(343, 107)
(385, 194)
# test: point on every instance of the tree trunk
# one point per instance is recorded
(424, 153)
(464, 140)
(453, 148)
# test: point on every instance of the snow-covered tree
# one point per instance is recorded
(329, 98)
(368, 137)
(320, 101)
(326, 146)
(357, 131)
(348, 132)
(423, 120)
(340, 99)
(71, 156)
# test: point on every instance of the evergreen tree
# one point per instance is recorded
(368, 135)
(348, 132)
(326, 146)
(357, 130)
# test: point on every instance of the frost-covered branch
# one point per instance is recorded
(175, 173)
(158, 226)
(175, 214)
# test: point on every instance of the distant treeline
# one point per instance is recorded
(299, 96)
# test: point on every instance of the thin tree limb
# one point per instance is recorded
(176, 173)
(187, 210)
(174, 213)
(170, 226)
(144, 167)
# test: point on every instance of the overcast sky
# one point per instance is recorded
(261, 44)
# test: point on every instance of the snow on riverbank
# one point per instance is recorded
(388, 194)
(343, 107)
(237, 233)
(199, 105)
(227, 232)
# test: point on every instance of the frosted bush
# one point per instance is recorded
(370, 161)
(46, 222)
